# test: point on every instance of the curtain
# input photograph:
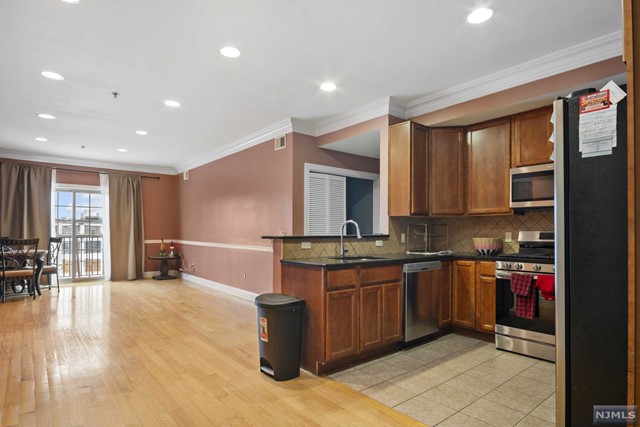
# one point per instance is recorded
(106, 233)
(25, 205)
(125, 222)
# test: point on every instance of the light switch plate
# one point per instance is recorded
(507, 237)
(305, 245)
(403, 238)
(378, 242)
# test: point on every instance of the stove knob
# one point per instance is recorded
(553, 268)
(518, 266)
(536, 267)
(507, 265)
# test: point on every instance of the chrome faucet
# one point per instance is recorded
(342, 227)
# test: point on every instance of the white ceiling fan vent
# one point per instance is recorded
(280, 142)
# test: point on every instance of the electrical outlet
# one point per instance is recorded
(403, 238)
(193, 267)
(244, 275)
(305, 245)
(507, 237)
(378, 243)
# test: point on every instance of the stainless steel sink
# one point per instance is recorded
(356, 258)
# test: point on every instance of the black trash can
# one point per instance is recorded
(280, 335)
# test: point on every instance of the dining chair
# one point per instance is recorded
(51, 266)
(18, 264)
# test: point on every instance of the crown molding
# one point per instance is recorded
(369, 111)
(277, 129)
(303, 126)
(580, 55)
(129, 167)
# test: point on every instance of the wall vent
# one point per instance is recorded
(280, 142)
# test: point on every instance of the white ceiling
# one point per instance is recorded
(414, 51)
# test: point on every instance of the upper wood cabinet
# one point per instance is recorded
(530, 134)
(446, 174)
(408, 160)
(488, 163)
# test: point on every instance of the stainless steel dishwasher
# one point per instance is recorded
(421, 298)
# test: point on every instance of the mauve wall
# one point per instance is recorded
(235, 201)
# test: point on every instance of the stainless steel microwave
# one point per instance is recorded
(532, 187)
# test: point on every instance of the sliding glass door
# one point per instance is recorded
(78, 220)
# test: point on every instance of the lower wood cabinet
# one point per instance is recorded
(474, 295)
(341, 335)
(444, 276)
(350, 312)
(486, 296)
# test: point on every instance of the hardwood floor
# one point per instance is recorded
(155, 353)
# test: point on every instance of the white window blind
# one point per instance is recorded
(326, 203)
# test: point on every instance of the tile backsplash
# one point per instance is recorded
(460, 232)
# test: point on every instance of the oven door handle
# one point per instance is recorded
(507, 275)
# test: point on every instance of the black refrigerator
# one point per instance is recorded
(591, 266)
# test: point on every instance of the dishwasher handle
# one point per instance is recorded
(416, 267)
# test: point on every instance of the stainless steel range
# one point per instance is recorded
(525, 301)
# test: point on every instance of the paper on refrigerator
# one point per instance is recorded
(597, 127)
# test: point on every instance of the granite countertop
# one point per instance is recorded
(400, 258)
(332, 236)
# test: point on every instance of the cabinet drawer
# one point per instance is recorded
(345, 278)
(384, 274)
(487, 268)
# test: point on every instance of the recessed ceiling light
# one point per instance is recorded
(328, 86)
(480, 15)
(71, 1)
(46, 116)
(41, 139)
(142, 132)
(122, 150)
(51, 75)
(230, 52)
(171, 103)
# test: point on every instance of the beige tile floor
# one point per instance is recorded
(460, 381)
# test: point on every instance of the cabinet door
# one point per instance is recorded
(446, 177)
(464, 293)
(392, 313)
(530, 134)
(486, 303)
(371, 314)
(341, 324)
(445, 294)
(408, 151)
(488, 163)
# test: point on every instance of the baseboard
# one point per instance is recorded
(236, 292)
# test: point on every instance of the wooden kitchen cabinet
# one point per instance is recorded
(380, 306)
(474, 295)
(530, 132)
(464, 294)
(408, 160)
(350, 312)
(342, 324)
(444, 276)
(446, 172)
(486, 296)
(488, 163)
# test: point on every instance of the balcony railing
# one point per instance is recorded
(88, 261)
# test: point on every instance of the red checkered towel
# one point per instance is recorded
(525, 297)
(547, 286)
